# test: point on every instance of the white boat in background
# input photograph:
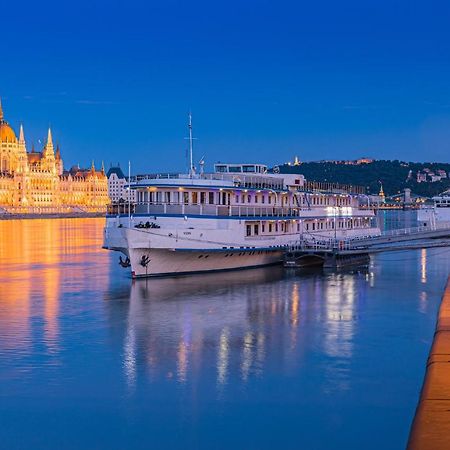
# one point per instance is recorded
(437, 214)
(239, 216)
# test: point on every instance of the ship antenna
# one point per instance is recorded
(191, 146)
(129, 194)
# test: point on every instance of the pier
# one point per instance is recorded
(335, 253)
(431, 426)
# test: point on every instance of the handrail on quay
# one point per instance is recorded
(430, 429)
(368, 243)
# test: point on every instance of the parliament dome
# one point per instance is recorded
(6, 132)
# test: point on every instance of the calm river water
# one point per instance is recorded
(256, 359)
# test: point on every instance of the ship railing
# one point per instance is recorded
(258, 181)
(207, 210)
(322, 245)
(415, 230)
(334, 188)
(239, 179)
(121, 208)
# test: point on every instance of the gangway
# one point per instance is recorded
(352, 251)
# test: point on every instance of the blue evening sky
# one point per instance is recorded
(266, 80)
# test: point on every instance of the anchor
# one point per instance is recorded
(144, 261)
(125, 263)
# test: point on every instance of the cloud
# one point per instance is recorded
(364, 107)
(95, 102)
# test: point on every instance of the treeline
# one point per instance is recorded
(393, 175)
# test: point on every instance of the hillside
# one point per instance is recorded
(393, 175)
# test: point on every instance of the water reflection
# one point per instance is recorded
(193, 353)
(238, 316)
(222, 357)
(38, 260)
(423, 265)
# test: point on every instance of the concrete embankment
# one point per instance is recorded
(431, 426)
(51, 216)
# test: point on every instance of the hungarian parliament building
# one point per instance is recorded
(36, 181)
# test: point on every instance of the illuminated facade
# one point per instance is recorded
(30, 180)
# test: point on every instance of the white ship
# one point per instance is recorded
(437, 214)
(239, 216)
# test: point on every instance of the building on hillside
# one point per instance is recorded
(365, 160)
(117, 186)
(421, 177)
(36, 181)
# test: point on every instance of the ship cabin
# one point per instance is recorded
(442, 200)
(270, 204)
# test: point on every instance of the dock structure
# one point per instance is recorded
(430, 429)
(335, 253)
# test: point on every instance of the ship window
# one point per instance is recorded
(194, 198)
(202, 198)
(256, 230)
(249, 230)
(211, 198)
(270, 228)
(263, 228)
(186, 198)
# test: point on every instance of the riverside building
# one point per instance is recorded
(118, 189)
(37, 182)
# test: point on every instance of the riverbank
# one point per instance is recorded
(431, 426)
(70, 215)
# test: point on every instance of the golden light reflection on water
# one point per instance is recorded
(423, 265)
(38, 260)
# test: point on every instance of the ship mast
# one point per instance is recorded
(191, 148)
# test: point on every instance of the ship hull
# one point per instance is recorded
(165, 262)
(196, 245)
(429, 216)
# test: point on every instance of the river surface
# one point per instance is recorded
(257, 359)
